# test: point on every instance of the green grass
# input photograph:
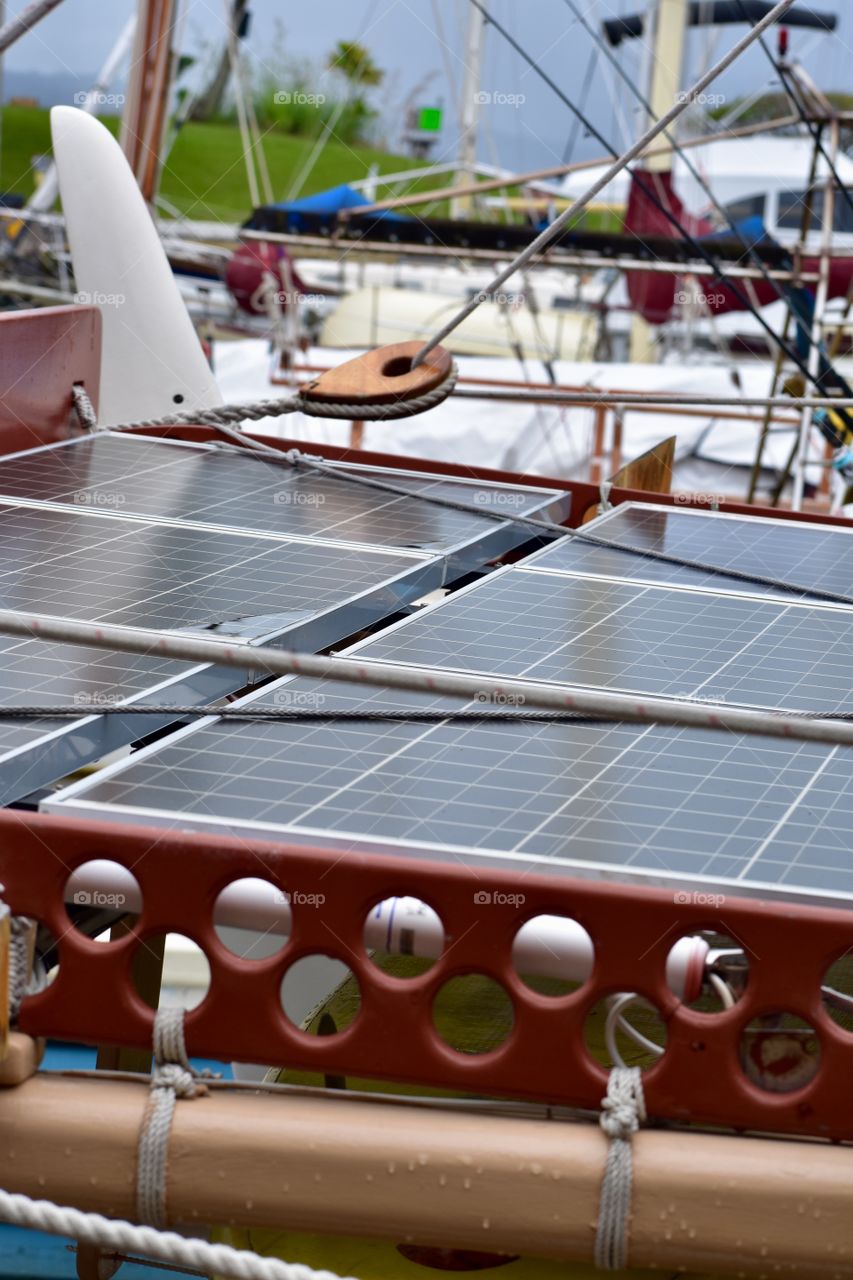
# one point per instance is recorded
(205, 175)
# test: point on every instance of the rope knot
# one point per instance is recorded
(622, 1113)
(183, 1083)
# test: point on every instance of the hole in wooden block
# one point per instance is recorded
(473, 1014)
(403, 936)
(252, 918)
(319, 992)
(186, 972)
(397, 367)
(780, 1052)
(553, 955)
(625, 1030)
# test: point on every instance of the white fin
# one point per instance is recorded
(152, 362)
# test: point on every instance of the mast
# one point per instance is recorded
(669, 18)
(470, 108)
(146, 110)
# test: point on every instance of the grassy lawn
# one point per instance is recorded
(205, 176)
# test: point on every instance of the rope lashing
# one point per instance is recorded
(19, 963)
(171, 1078)
(233, 414)
(623, 1110)
(83, 407)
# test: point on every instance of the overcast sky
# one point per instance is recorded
(413, 45)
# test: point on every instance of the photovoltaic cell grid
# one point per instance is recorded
(630, 637)
(139, 476)
(802, 554)
(650, 803)
(625, 801)
(112, 545)
(76, 565)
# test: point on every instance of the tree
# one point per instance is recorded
(355, 64)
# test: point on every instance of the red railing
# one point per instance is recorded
(700, 1077)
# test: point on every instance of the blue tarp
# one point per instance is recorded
(327, 204)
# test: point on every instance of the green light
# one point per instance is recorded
(429, 119)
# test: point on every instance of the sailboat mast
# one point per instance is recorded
(668, 19)
(470, 110)
(145, 115)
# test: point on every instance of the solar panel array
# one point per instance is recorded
(654, 804)
(153, 534)
(169, 480)
(809, 555)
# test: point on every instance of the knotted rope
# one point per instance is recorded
(171, 1078)
(622, 1113)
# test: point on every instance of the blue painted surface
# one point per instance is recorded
(29, 1255)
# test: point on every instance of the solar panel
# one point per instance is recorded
(633, 803)
(629, 802)
(167, 480)
(808, 555)
(636, 638)
(116, 548)
(107, 568)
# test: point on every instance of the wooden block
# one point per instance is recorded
(22, 1058)
(383, 376)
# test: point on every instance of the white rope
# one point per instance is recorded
(600, 704)
(163, 1246)
(622, 1113)
(541, 242)
(171, 1078)
(84, 408)
(19, 963)
(234, 414)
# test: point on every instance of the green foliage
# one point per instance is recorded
(354, 62)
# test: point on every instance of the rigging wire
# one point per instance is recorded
(624, 163)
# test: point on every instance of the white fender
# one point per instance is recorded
(152, 362)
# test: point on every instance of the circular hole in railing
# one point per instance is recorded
(625, 1030)
(779, 1052)
(319, 994)
(397, 367)
(185, 977)
(403, 936)
(707, 970)
(837, 992)
(553, 955)
(103, 899)
(252, 918)
(473, 1014)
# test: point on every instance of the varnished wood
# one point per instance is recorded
(651, 472)
(382, 376)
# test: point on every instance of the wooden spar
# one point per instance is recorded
(556, 171)
(144, 120)
(437, 1177)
